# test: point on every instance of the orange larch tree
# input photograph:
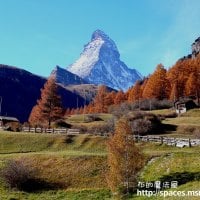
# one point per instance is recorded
(120, 97)
(134, 93)
(110, 97)
(125, 160)
(49, 107)
(100, 100)
(157, 85)
(191, 85)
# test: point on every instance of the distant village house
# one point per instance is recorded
(5, 119)
(182, 106)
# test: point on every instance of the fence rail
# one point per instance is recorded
(178, 142)
(51, 130)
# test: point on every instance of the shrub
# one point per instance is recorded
(92, 118)
(141, 126)
(16, 175)
(144, 123)
(61, 123)
(13, 126)
(101, 129)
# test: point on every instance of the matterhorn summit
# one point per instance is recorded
(100, 63)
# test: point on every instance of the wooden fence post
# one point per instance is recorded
(161, 138)
(189, 141)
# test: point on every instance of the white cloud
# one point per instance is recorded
(184, 29)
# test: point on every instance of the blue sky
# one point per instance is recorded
(37, 35)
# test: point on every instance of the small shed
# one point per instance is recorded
(5, 119)
(182, 106)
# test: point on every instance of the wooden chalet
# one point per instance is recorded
(184, 105)
(5, 119)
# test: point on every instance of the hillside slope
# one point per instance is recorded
(20, 89)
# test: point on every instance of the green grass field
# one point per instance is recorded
(79, 163)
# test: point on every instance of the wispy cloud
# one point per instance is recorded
(184, 29)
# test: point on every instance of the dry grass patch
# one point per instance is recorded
(71, 172)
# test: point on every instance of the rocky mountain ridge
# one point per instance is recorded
(196, 47)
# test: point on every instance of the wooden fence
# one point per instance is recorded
(178, 142)
(51, 130)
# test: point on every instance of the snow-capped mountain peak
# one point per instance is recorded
(99, 63)
(99, 34)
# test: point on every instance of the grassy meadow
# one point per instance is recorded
(77, 165)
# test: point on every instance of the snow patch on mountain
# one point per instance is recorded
(87, 59)
(100, 63)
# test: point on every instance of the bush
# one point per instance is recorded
(141, 126)
(101, 129)
(144, 123)
(16, 175)
(13, 126)
(92, 118)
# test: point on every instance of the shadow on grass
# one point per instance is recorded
(69, 139)
(38, 185)
(169, 127)
(163, 129)
(181, 177)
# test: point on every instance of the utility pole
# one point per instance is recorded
(0, 104)
(77, 102)
(139, 103)
(150, 104)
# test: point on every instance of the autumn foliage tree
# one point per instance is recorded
(177, 76)
(48, 108)
(191, 87)
(184, 78)
(120, 97)
(135, 93)
(157, 85)
(124, 159)
(100, 100)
